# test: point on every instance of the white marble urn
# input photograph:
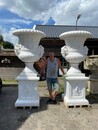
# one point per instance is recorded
(75, 52)
(29, 51)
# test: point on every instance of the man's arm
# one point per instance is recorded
(59, 64)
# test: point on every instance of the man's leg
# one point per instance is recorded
(54, 93)
(51, 94)
(55, 90)
(49, 85)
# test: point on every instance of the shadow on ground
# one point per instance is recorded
(92, 98)
(12, 118)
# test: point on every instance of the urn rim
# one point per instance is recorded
(75, 33)
(28, 31)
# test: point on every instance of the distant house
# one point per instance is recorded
(54, 43)
(10, 64)
(9, 59)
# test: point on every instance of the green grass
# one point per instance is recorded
(9, 82)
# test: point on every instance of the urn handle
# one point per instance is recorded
(17, 49)
(40, 50)
(64, 51)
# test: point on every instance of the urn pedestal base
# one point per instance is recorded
(28, 51)
(74, 91)
(75, 52)
(28, 95)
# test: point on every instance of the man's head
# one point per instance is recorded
(51, 55)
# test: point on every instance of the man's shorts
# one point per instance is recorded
(52, 84)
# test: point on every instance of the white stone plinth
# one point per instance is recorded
(74, 93)
(27, 93)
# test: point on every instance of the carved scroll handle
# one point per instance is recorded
(64, 51)
(17, 49)
(40, 50)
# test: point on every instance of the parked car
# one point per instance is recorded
(0, 85)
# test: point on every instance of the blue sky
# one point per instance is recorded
(9, 19)
(27, 13)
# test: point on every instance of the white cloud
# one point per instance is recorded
(8, 35)
(32, 9)
(66, 12)
(62, 11)
(15, 21)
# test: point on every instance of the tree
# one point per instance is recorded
(8, 45)
(1, 38)
(5, 44)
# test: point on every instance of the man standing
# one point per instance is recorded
(53, 64)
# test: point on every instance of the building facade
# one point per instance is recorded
(9, 62)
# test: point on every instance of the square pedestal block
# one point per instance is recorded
(75, 91)
(28, 95)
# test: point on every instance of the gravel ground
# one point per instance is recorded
(48, 117)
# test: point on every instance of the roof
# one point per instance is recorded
(53, 31)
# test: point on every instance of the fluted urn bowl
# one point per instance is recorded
(28, 48)
(74, 51)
